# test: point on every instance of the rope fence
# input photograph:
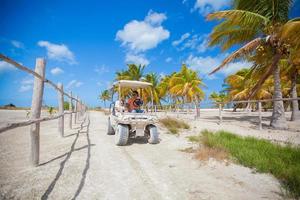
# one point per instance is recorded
(36, 106)
(194, 109)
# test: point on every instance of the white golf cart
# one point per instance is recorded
(124, 124)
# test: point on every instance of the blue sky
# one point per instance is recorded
(86, 42)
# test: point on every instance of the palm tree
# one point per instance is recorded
(259, 24)
(186, 84)
(105, 96)
(155, 90)
(291, 74)
(295, 106)
(164, 88)
(134, 72)
(218, 97)
(239, 86)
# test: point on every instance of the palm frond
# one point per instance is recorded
(246, 49)
(231, 35)
(290, 33)
(241, 18)
(275, 10)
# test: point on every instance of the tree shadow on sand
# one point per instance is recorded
(68, 155)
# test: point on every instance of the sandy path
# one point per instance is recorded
(87, 165)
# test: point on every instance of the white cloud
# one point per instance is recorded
(26, 84)
(101, 69)
(155, 18)
(17, 44)
(169, 59)
(234, 67)
(140, 36)
(203, 46)
(25, 88)
(208, 6)
(195, 42)
(74, 83)
(136, 59)
(59, 52)
(204, 65)
(182, 38)
(56, 71)
(4, 66)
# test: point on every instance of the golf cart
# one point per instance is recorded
(124, 124)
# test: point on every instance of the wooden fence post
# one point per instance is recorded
(220, 113)
(197, 111)
(71, 110)
(61, 120)
(36, 106)
(81, 109)
(259, 115)
(76, 109)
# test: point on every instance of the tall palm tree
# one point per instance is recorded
(218, 97)
(105, 96)
(259, 23)
(187, 84)
(291, 74)
(164, 88)
(239, 86)
(154, 79)
(134, 72)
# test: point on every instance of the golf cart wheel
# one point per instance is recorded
(110, 130)
(122, 134)
(153, 135)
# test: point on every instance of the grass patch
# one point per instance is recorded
(205, 153)
(173, 125)
(281, 161)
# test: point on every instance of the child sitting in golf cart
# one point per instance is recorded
(120, 105)
(135, 103)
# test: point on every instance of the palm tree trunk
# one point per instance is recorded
(295, 107)
(248, 107)
(278, 119)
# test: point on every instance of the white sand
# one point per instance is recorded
(87, 165)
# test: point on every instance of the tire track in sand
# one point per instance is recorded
(142, 175)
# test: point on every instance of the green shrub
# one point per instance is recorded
(173, 125)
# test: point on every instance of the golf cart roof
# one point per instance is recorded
(132, 84)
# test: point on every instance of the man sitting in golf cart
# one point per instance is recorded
(135, 103)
